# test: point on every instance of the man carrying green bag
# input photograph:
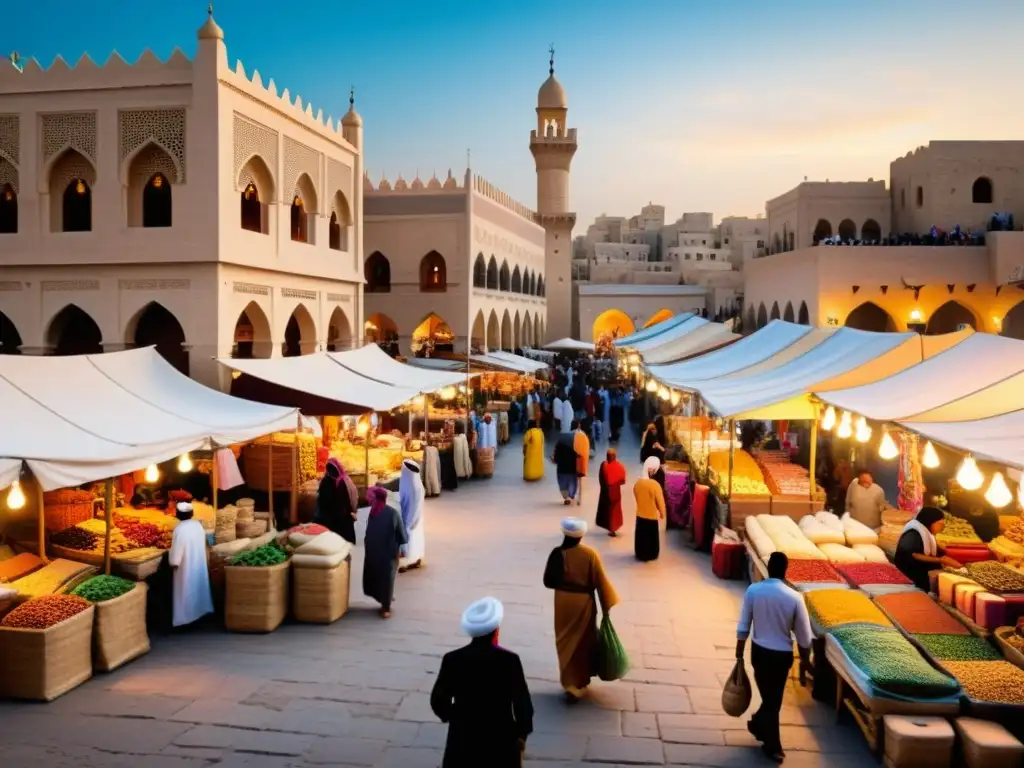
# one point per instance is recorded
(612, 661)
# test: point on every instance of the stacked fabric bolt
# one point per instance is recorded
(998, 682)
(859, 574)
(916, 613)
(830, 608)
(958, 647)
(891, 663)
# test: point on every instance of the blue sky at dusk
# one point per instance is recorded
(700, 106)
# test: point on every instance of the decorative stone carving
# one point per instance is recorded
(344, 298)
(252, 289)
(294, 293)
(71, 166)
(153, 160)
(50, 286)
(154, 285)
(10, 138)
(72, 129)
(251, 138)
(8, 174)
(299, 159)
(11, 285)
(165, 126)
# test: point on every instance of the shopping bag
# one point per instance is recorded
(736, 694)
(612, 661)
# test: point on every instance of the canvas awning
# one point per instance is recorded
(706, 337)
(78, 419)
(374, 363)
(571, 344)
(651, 331)
(999, 438)
(679, 331)
(512, 366)
(438, 364)
(523, 362)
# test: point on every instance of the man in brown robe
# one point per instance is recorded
(575, 572)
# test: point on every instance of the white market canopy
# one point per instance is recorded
(670, 335)
(701, 339)
(523, 363)
(438, 364)
(572, 344)
(999, 438)
(652, 330)
(374, 363)
(512, 363)
(79, 419)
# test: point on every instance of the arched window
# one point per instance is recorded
(334, 232)
(8, 210)
(339, 223)
(517, 281)
(300, 227)
(433, 273)
(540, 286)
(847, 230)
(156, 202)
(920, 197)
(504, 278)
(77, 206)
(257, 196)
(533, 284)
(871, 232)
(804, 317)
(252, 209)
(981, 192)
(791, 243)
(492, 274)
(479, 272)
(822, 230)
(377, 272)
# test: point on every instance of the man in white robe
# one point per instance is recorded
(566, 416)
(410, 498)
(192, 597)
(556, 411)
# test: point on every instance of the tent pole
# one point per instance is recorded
(366, 453)
(213, 478)
(732, 450)
(814, 454)
(108, 506)
(41, 503)
(293, 512)
(270, 480)
(426, 419)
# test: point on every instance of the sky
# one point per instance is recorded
(699, 106)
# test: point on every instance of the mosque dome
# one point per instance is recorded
(352, 118)
(211, 29)
(552, 95)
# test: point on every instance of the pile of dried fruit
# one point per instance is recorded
(873, 573)
(958, 647)
(75, 538)
(804, 571)
(835, 607)
(1016, 640)
(101, 588)
(957, 531)
(892, 663)
(118, 541)
(144, 534)
(45, 612)
(919, 614)
(996, 577)
(999, 682)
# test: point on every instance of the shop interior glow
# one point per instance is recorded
(419, 401)
(185, 463)
(15, 496)
(362, 428)
(845, 430)
(998, 495)
(968, 475)
(652, 385)
(152, 474)
(863, 430)
(887, 449)
(449, 393)
(1020, 493)
(829, 422)
(634, 369)
(930, 459)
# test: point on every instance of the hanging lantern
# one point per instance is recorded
(829, 422)
(888, 449)
(15, 496)
(652, 386)
(664, 394)
(930, 459)
(969, 476)
(185, 463)
(152, 474)
(845, 430)
(863, 430)
(449, 393)
(998, 495)
(676, 397)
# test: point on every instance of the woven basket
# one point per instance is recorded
(485, 462)
(256, 598)
(250, 529)
(119, 634)
(42, 664)
(320, 595)
(224, 527)
(257, 457)
(245, 514)
(66, 507)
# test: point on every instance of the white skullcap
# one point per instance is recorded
(652, 465)
(574, 528)
(184, 506)
(483, 617)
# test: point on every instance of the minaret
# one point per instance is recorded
(553, 147)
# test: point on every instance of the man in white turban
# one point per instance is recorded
(192, 597)
(481, 693)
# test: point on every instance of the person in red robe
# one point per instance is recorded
(611, 476)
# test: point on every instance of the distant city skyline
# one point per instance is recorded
(717, 107)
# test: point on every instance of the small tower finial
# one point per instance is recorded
(352, 97)
(469, 155)
(209, 10)
(551, 61)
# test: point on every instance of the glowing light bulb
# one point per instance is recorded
(828, 423)
(1020, 494)
(152, 474)
(916, 316)
(449, 393)
(15, 496)
(930, 459)
(664, 394)
(80, 187)
(185, 463)
(845, 430)
(863, 430)
(677, 397)
(968, 475)
(998, 495)
(419, 401)
(652, 385)
(362, 428)
(888, 449)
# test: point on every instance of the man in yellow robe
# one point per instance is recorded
(581, 444)
(533, 452)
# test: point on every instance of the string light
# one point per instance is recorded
(930, 459)
(968, 475)
(185, 463)
(664, 394)
(652, 385)
(676, 397)
(863, 430)
(15, 496)
(887, 449)
(998, 495)
(152, 474)
(829, 422)
(845, 430)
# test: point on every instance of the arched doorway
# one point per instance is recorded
(377, 272)
(156, 326)
(10, 339)
(1012, 325)
(870, 317)
(506, 332)
(431, 336)
(149, 187)
(252, 334)
(949, 317)
(492, 274)
(611, 324)
(71, 181)
(299, 334)
(493, 332)
(8, 207)
(73, 332)
(871, 232)
(659, 317)
(762, 316)
(478, 338)
(382, 330)
(803, 316)
(526, 340)
(822, 230)
(504, 278)
(775, 311)
(787, 315)
(847, 230)
(517, 331)
(339, 332)
(981, 191)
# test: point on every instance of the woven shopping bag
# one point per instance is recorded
(736, 694)
(612, 661)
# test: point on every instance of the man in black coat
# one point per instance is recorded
(481, 693)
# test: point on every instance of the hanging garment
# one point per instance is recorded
(228, 475)
(463, 463)
(431, 471)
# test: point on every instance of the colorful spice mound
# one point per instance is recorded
(996, 577)
(19, 566)
(835, 607)
(45, 612)
(892, 663)
(957, 531)
(803, 571)
(997, 681)
(308, 529)
(74, 538)
(144, 534)
(101, 588)
(873, 573)
(958, 647)
(1015, 640)
(918, 614)
(268, 554)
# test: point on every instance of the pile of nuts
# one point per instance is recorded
(45, 612)
(999, 682)
(996, 577)
(75, 538)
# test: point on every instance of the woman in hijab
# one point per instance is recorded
(576, 573)
(917, 552)
(411, 494)
(650, 511)
(385, 535)
(654, 445)
(611, 476)
(337, 501)
(533, 452)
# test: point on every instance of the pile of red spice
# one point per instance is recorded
(873, 573)
(804, 571)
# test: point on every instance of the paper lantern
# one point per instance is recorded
(863, 430)
(888, 449)
(969, 476)
(185, 463)
(845, 430)
(998, 495)
(930, 459)
(15, 496)
(829, 422)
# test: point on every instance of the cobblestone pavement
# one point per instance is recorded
(356, 693)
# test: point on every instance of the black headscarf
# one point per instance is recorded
(928, 516)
